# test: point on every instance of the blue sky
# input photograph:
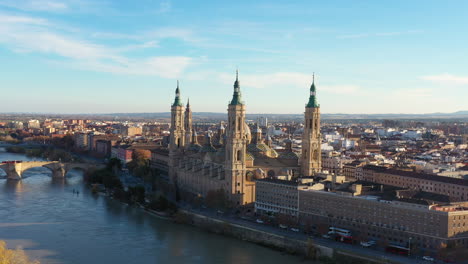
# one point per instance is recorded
(102, 56)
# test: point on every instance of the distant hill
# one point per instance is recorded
(213, 116)
(222, 116)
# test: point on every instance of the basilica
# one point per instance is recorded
(234, 157)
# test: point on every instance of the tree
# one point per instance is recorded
(137, 193)
(114, 164)
(14, 256)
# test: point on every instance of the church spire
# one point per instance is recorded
(313, 97)
(237, 97)
(177, 100)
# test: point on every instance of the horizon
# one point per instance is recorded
(105, 57)
(247, 113)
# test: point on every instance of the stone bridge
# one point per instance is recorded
(14, 170)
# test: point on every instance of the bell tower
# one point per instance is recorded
(188, 123)
(177, 136)
(311, 158)
(236, 144)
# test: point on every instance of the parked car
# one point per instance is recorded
(326, 236)
(294, 229)
(369, 243)
(428, 258)
(259, 221)
(365, 244)
(283, 226)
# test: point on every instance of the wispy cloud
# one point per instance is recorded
(378, 34)
(414, 93)
(446, 78)
(35, 35)
(164, 7)
(36, 5)
(287, 79)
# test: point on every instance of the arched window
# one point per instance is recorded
(239, 155)
(178, 142)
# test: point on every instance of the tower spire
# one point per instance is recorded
(236, 97)
(177, 100)
(313, 95)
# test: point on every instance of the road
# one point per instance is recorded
(372, 253)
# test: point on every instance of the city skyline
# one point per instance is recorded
(85, 56)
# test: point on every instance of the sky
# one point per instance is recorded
(107, 56)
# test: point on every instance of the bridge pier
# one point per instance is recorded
(13, 174)
(14, 170)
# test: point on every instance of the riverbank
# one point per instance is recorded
(44, 152)
(308, 248)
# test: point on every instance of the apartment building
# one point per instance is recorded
(387, 215)
(455, 188)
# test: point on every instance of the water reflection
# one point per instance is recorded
(13, 186)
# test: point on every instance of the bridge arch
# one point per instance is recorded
(42, 169)
(3, 173)
(59, 169)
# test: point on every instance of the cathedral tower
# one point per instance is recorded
(177, 137)
(188, 123)
(236, 144)
(311, 160)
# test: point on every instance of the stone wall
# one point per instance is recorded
(278, 242)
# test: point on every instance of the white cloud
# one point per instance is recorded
(164, 7)
(286, 79)
(261, 81)
(9, 19)
(31, 35)
(36, 5)
(446, 78)
(413, 93)
(340, 89)
(378, 34)
(166, 67)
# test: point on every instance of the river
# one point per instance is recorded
(54, 225)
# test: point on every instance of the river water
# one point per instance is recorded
(54, 225)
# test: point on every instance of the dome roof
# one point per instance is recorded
(261, 147)
(289, 155)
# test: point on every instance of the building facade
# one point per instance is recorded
(399, 222)
(452, 187)
(242, 156)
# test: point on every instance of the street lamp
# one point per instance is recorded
(409, 246)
